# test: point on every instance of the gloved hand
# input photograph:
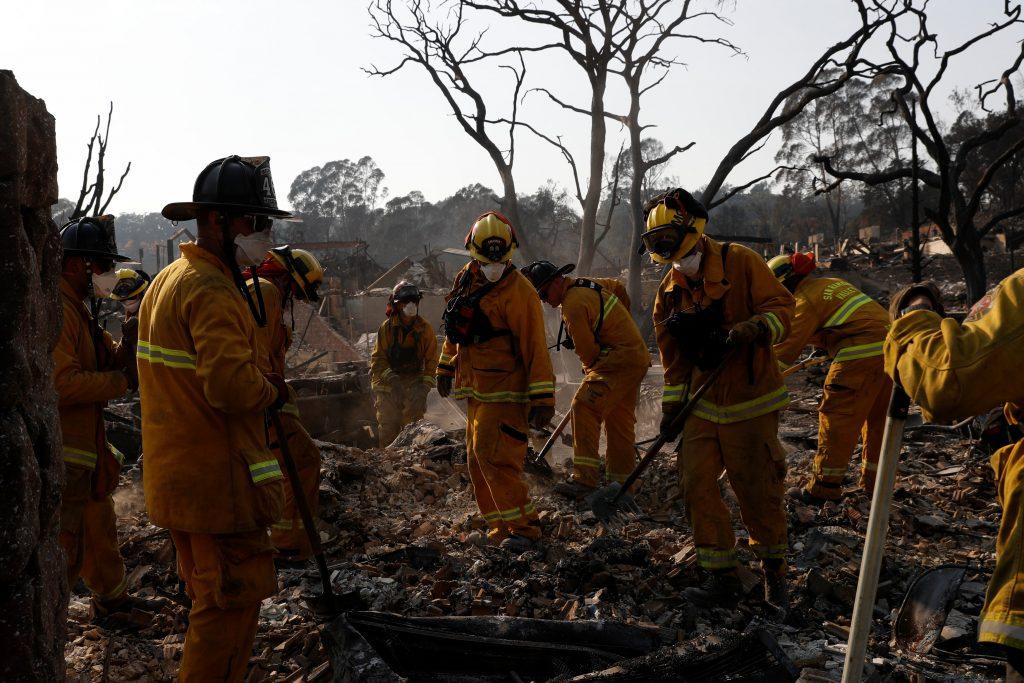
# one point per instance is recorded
(444, 385)
(131, 373)
(282, 389)
(921, 294)
(130, 331)
(669, 411)
(541, 416)
(747, 332)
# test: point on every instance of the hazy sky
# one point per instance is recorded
(196, 80)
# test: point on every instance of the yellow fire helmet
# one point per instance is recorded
(492, 239)
(781, 266)
(786, 266)
(305, 270)
(130, 284)
(675, 222)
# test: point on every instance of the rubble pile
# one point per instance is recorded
(402, 535)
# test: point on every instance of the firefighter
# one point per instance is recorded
(495, 356)
(833, 315)
(595, 314)
(210, 476)
(953, 371)
(130, 287)
(285, 275)
(89, 370)
(403, 363)
(721, 303)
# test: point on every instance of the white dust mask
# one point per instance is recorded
(410, 310)
(250, 250)
(132, 305)
(492, 271)
(688, 265)
(103, 284)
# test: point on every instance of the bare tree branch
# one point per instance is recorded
(733, 191)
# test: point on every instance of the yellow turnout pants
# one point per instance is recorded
(402, 401)
(853, 405)
(750, 453)
(1002, 617)
(226, 576)
(496, 439)
(609, 399)
(289, 534)
(88, 535)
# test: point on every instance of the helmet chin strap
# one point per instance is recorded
(258, 310)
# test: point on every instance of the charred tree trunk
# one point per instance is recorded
(592, 200)
(510, 208)
(967, 250)
(33, 585)
(636, 203)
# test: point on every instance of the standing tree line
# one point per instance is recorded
(846, 126)
(845, 121)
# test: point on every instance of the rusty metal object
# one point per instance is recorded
(925, 608)
(376, 646)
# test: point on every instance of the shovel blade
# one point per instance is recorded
(607, 504)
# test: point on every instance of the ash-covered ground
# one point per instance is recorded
(402, 535)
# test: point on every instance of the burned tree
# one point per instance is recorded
(90, 198)
(963, 211)
(588, 32)
(826, 75)
(442, 46)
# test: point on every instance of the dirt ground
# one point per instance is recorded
(402, 535)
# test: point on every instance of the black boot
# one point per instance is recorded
(1014, 665)
(720, 587)
(776, 593)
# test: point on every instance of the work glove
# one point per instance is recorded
(747, 332)
(282, 389)
(130, 331)
(131, 373)
(541, 416)
(444, 385)
(921, 291)
(669, 411)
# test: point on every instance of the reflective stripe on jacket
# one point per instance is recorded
(510, 368)
(416, 339)
(621, 346)
(834, 315)
(749, 291)
(208, 467)
(83, 388)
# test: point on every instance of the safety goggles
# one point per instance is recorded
(665, 240)
(101, 265)
(494, 249)
(258, 223)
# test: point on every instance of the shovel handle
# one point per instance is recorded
(676, 426)
(304, 511)
(554, 435)
(874, 540)
(804, 364)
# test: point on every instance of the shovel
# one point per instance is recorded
(328, 602)
(535, 459)
(606, 501)
(804, 364)
(874, 541)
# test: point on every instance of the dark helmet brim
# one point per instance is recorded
(92, 253)
(558, 272)
(189, 211)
